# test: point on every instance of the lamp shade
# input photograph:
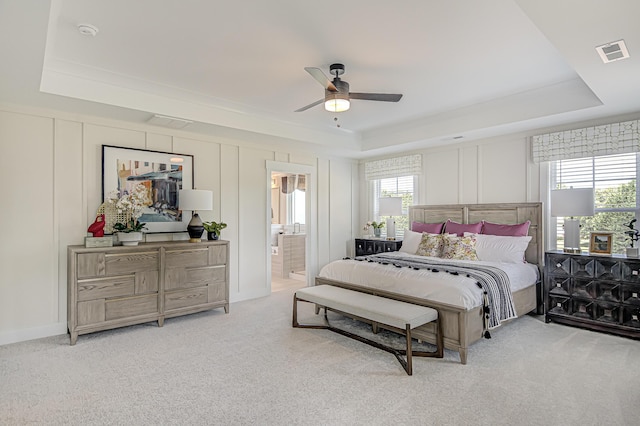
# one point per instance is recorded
(390, 206)
(195, 199)
(572, 202)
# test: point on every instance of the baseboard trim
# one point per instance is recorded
(16, 336)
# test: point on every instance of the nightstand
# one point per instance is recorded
(365, 246)
(599, 293)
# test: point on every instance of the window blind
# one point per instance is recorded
(608, 139)
(408, 165)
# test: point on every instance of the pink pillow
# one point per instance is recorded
(518, 230)
(460, 228)
(431, 228)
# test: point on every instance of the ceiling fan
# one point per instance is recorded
(336, 93)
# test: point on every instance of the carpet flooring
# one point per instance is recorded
(250, 367)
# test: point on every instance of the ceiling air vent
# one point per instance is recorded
(613, 51)
(172, 122)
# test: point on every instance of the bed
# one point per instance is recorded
(463, 321)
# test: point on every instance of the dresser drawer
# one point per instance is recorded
(187, 258)
(185, 298)
(180, 278)
(104, 288)
(631, 294)
(127, 263)
(131, 306)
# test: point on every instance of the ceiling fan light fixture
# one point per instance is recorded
(336, 104)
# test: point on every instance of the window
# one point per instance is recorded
(404, 187)
(296, 207)
(614, 179)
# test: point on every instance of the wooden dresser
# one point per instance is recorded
(594, 292)
(110, 287)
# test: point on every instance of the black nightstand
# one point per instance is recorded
(599, 293)
(365, 246)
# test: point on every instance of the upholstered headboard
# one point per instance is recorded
(505, 213)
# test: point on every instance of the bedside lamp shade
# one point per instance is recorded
(195, 199)
(390, 206)
(569, 203)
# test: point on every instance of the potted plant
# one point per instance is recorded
(213, 229)
(376, 227)
(130, 206)
(633, 235)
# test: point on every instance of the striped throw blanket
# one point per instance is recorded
(494, 282)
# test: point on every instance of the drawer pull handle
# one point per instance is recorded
(558, 285)
(634, 272)
(634, 295)
(558, 265)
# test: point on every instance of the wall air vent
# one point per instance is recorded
(171, 122)
(613, 51)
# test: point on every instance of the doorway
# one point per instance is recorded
(290, 225)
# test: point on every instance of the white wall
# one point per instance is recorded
(52, 188)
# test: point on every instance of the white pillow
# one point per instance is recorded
(496, 248)
(411, 241)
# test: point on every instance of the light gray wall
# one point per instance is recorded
(52, 188)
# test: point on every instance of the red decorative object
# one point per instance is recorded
(97, 227)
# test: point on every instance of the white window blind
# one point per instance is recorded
(613, 178)
(608, 139)
(404, 187)
(408, 165)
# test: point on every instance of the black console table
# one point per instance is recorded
(599, 293)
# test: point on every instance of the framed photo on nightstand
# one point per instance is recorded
(601, 243)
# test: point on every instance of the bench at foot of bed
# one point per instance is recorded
(399, 316)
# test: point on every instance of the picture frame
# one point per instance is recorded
(164, 173)
(601, 243)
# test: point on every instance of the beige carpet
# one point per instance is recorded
(251, 367)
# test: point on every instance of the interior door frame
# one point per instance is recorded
(311, 215)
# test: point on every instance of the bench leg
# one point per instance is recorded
(409, 367)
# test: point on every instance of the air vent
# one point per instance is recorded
(172, 122)
(613, 51)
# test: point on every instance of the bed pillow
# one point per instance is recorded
(431, 228)
(431, 245)
(410, 241)
(517, 230)
(498, 248)
(459, 248)
(459, 229)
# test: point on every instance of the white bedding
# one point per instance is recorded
(456, 290)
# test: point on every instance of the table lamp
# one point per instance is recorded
(568, 203)
(390, 206)
(195, 199)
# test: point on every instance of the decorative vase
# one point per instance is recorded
(633, 251)
(129, 238)
(212, 235)
(376, 232)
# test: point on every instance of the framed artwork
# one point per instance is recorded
(601, 243)
(163, 173)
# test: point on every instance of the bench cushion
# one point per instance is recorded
(375, 308)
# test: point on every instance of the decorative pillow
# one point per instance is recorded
(430, 245)
(518, 230)
(431, 228)
(460, 228)
(459, 248)
(498, 248)
(410, 242)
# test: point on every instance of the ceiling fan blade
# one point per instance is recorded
(304, 108)
(385, 97)
(321, 78)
